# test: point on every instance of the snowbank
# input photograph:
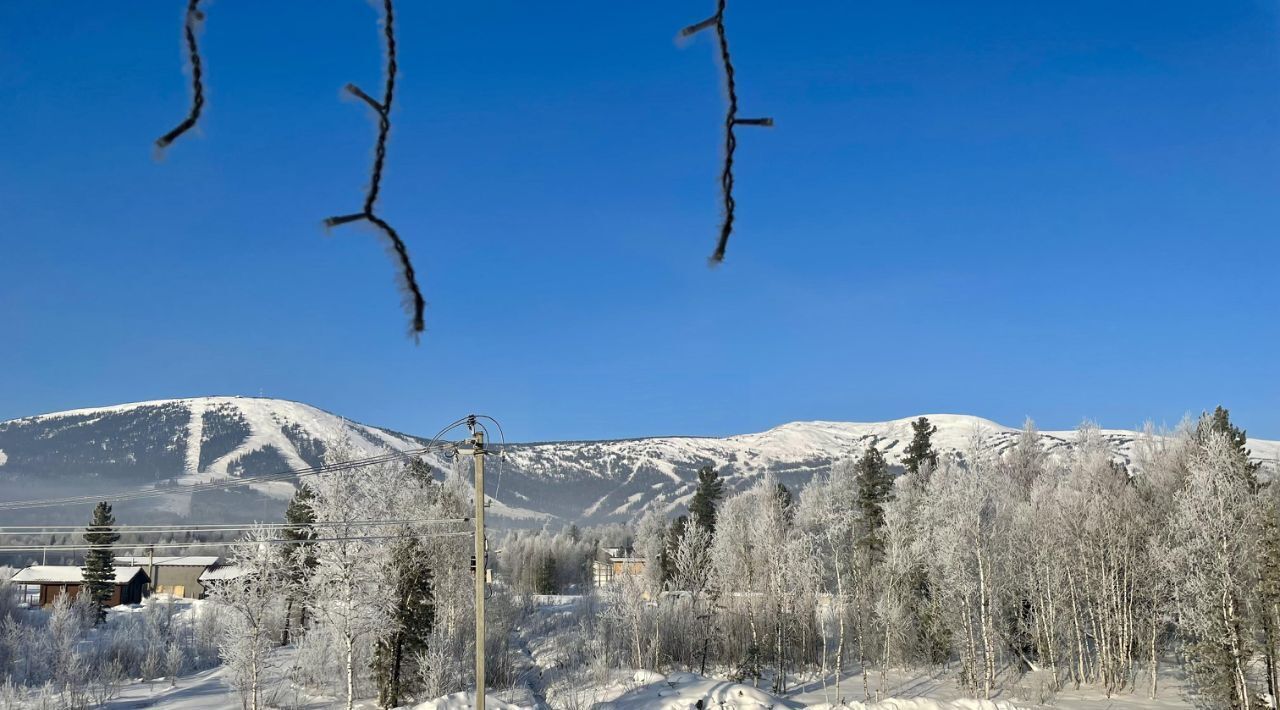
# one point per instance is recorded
(681, 691)
(554, 599)
(919, 704)
(466, 701)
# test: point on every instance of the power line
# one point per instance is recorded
(224, 483)
(731, 120)
(216, 526)
(408, 277)
(433, 444)
(33, 530)
(502, 454)
(228, 543)
(193, 18)
(194, 488)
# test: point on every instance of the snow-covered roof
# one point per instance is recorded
(67, 574)
(217, 574)
(171, 561)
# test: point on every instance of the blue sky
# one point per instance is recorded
(1056, 209)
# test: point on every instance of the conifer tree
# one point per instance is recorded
(875, 487)
(421, 471)
(1220, 422)
(786, 500)
(920, 450)
(1269, 587)
(99, 562)
(411, 623)
(651, 544)
(710, 490)
(299, 555)
(544, 582)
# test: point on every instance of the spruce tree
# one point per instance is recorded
(875, 487)
(299, 554)
(1220, 423)
(99, 579)
(786, 501)
(710, 490)
(412, 621)
(920, 450)
(301, 517)
(1269, 586)
(421, 471)
(544, 581)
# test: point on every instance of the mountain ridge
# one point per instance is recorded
(182, 441)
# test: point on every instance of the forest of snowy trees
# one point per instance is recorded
(339, 604)
(1082, 569)
(1089, 571)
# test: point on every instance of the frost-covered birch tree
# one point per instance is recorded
(1216, 519)
(348, 587)
(253, 612)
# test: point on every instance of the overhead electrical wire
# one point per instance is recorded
(502, 453)
(33, 530)
(224, 483)
(435, 443)
(228, 543)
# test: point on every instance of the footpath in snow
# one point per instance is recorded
(689, 691)
(682, 691)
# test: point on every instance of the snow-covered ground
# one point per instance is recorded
(645, 690)
(544, 651)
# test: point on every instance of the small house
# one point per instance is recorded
(54, 580)
(179, 576)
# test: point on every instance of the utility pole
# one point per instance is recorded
(477, 454)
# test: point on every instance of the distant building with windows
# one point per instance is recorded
(176, 575)
(614, 563)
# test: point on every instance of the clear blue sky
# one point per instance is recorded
(1054, 209)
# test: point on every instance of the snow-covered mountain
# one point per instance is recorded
(184, 441)
(173, 443)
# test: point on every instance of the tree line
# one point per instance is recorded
(1083, 568)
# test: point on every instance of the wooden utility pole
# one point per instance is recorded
(477, 454)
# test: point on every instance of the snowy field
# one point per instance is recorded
(544, 687)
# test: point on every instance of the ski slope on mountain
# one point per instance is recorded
(178, 442)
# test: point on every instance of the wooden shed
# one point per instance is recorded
(53, 580)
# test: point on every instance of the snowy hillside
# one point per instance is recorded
(614, 480)
(176, 442)
(182, 441)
